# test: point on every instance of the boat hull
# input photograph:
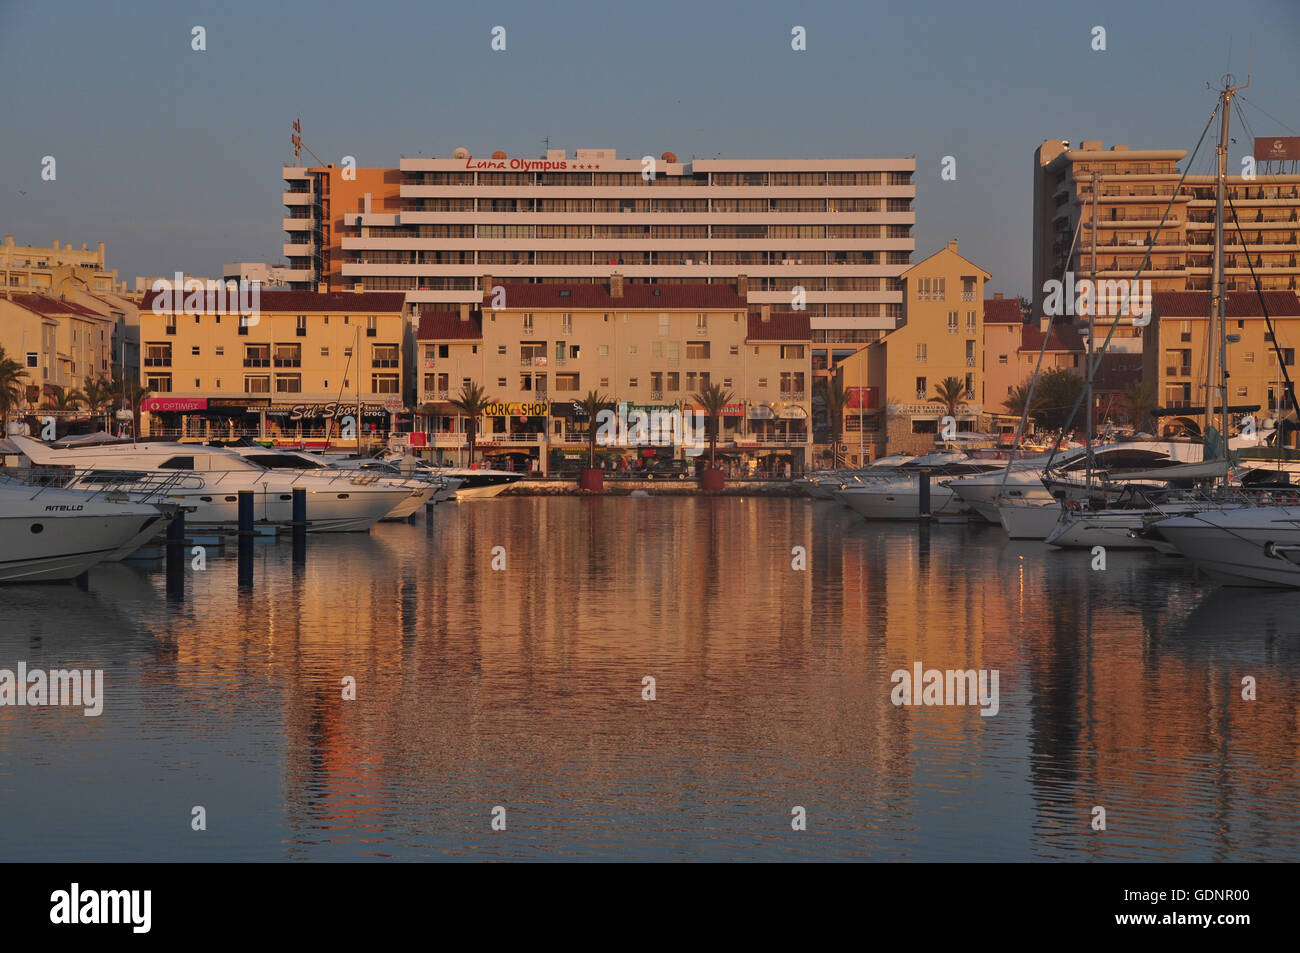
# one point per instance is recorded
(1232, 551)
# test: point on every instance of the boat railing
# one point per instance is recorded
(139, 486)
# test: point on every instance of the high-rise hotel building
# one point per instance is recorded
(1134, 187)
(832, 234)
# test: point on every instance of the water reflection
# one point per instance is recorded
(523, 688)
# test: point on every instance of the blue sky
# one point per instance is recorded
(173, 157)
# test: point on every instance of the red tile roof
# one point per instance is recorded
(782, 326)
(447, 326)
(635, 296)
(1063, 338)
(1240, 304)
(1003, 311)
(46, 305)
(344, 302)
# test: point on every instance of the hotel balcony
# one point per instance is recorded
(297, 224)
(299, 249)
(299, 198)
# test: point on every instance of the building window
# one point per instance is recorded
(952, 322)
(158, 383)
(372, 328)
(195, 350)
(604, 382)
(288, 383)
(566, 324)
(501, 382)
(171, 324)
(257, 355)
(735, 350)
(301, 327)
(324, 352)
(566, 382)
(604, 352)
(921, 352)
(699, 350)
(1002, 358)
(701, 323)
(32, 359)
(664, 325)
(920, 388)
(384, 384)
(383, 355)
(257, 384)
(155, 355)
(632, 382)
(970, 322)
(970, 386)
(528, 324)
(501, 352)
(792, 352)
(221, 350)
(762, 382)
(288, 355)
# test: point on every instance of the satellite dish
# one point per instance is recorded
(460, 152)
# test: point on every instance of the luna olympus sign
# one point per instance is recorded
(529, 165)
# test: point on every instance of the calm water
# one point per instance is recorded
(523, 688)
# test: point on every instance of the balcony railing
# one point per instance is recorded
(257, 362)
(793, 395)
(384, 362)
(968, 296)
(656, 395)
(970, 362)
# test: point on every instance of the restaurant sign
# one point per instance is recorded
(502, 408)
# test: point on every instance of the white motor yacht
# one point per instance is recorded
(336, 502)
(48, 534)
(419, 491)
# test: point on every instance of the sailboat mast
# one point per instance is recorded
(1092, 317)
(1220, 311)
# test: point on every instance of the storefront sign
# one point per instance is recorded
(171, 405)
(503, 409)
(529, 165)
(329, 411)
(733, 410)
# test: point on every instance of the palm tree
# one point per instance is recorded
(64, 400)
(11, 389)
(1019, 398)
(98, 391)
(951, 392)
(592, 405)
(471, 402)
(713, 398)
(1139, 400)
(837, 399)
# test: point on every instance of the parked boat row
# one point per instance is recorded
(91, 500)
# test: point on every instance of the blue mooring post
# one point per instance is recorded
(245, 512)
(175, 548)
(299, 525)
(245, 569)
(923, 487)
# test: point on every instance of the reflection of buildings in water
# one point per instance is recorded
(1129, 714)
